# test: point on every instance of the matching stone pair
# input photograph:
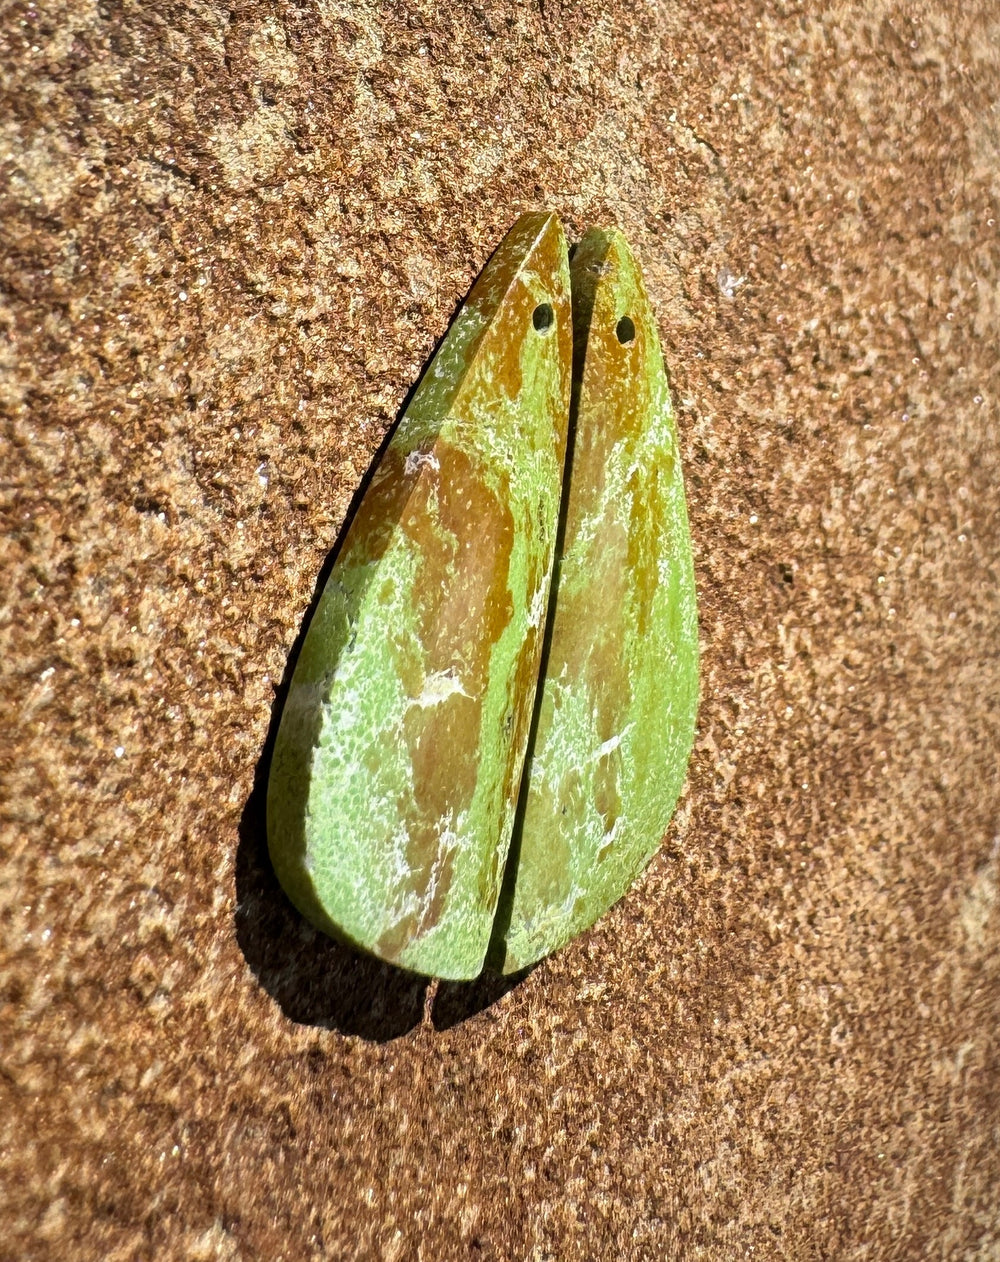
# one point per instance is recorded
(491, 715)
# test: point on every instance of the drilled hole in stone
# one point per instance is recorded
(625, 330)
(543, 317)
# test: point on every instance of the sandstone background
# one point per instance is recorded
(231, 236)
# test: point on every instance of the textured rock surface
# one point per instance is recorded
(401, 743)
(616, 716)
(230, 240)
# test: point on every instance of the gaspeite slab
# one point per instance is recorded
(401, 745)
(616, 711)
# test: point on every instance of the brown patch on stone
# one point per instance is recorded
(505, 371)
(443, 741)
(646, 513)
(520, 704)
(463, 536)
(501, 342)
(431, 863)
(607, 798)
(409, 667)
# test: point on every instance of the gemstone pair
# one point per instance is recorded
(492, 712)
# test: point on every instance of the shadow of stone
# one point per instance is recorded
(318, 981)
(455, 1002)
(315, 980)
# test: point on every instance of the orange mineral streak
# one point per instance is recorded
(498, 362)
(506, 301)
(463, 536)
(507, 374)
(608, 385)
(624, 591)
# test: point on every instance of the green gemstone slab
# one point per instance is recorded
(616, 711)
(401, 744)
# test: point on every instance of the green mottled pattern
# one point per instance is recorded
(401, 744)
(617, 707)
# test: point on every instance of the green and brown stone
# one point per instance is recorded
(616, 712)
(400, 750)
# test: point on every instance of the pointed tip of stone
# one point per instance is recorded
(605, 254)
